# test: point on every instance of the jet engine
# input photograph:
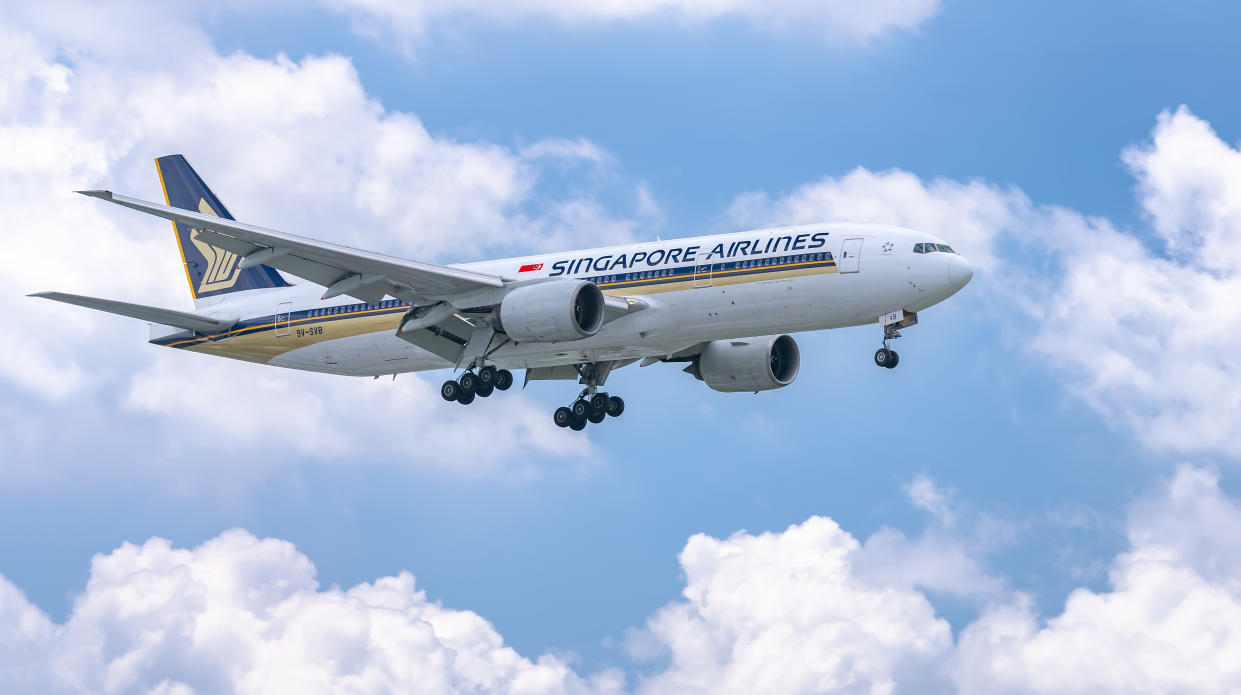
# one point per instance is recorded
(748, 364)
(550, 312)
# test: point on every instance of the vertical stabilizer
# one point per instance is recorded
(211, 271)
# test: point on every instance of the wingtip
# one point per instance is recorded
(104, 195)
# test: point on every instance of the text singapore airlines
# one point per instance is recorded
(723, 305)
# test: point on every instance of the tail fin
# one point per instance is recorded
(211, 271)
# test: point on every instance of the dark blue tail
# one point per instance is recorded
(211, 271)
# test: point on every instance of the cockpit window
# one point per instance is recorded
(946, 248)
(928, 247)
(919, 248)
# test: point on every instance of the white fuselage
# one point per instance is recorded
(705, 288)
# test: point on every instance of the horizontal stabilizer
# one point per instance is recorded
(167, 317)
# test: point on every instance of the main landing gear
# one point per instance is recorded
(592, 405)
(481, 384)
(886, 356)
(588, 408)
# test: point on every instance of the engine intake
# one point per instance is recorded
(749, 364)
(550, 312)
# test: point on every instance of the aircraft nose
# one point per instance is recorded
(960, 272)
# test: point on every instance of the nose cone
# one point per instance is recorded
(960, 272)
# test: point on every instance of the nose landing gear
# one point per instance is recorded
(886, 356)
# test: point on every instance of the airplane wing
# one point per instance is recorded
(341, 269)
(167, 317)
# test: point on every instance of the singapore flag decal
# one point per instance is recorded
(530, 267)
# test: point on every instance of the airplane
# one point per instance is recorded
(722, 305)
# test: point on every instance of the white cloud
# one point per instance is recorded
(567, 149)
(925, 494)
(787, 612)
(243, 615)
(1171, 621)
(806, 610)
(835, 20)
(1153, 340)
(1190, 185)
(298, 146)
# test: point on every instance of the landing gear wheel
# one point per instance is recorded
(484, 391)
(885, 358)
(597, 416)
(504, 379)
(599, 403)
(487, 376)
(896, 359)
(580, 409)
(466, 397)
(577, 425)
(450, 390)
(616, 406)
(563, 417)
(469, 382)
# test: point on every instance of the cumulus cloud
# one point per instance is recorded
(839, 21)
(796, 611)
(785, 612)
(295, 145)
(1171, 621)
(240, 614)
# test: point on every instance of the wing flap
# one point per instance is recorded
(446, 339)
(167, 317)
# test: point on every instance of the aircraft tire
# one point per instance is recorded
(562, 417)
(580, 409)
(577, 425)
(484, 391)
(597, 416)
(616, 406)
(896, 359)
(487, 376)
(504, 379)
(883, 356)
(449, 390)
(469, 382)
(599, 403)
(466, 397)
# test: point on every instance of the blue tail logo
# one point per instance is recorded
(210, 270)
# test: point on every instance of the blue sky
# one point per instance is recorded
(1039, 450)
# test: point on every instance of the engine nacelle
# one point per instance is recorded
(550, 312)
(749, 364)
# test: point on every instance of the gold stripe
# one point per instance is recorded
(175, 235)
(262, 346)
(254, 329)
